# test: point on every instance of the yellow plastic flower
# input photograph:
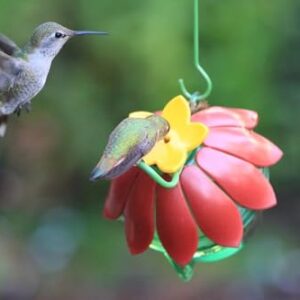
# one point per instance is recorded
(170, 154)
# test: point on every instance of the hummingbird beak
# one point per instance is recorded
(78, 33)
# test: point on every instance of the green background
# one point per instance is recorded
(54, 244)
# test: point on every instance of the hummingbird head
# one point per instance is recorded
(50, 37)
(160, 124)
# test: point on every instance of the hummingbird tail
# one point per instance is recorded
(96, 174)
(3, 125)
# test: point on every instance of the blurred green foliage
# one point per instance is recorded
(251, 51)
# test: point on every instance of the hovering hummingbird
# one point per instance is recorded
(132, 139)
(23, 71)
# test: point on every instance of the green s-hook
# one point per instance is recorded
(196, 97)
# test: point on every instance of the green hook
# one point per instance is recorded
(194, 97)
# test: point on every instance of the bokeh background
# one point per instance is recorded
(53, 242)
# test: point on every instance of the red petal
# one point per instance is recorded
(118, 192)
(215, 213)
(239, 179)
(139, 214)
(245, 144)
(176, 227)
(220, 116)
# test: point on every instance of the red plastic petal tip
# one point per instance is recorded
(139, 214)
(176, 227)
(216, 214)
(118, 192)
(216, 116)
(244, 144)
(242, 181)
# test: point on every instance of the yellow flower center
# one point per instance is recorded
(170, 154)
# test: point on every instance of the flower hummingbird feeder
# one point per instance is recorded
(198, 191)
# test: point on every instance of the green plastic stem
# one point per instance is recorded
(196, 96)
(157, 177)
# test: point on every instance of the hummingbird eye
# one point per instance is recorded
(59, 35)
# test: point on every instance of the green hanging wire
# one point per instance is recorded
(196, 97)
(193, 97)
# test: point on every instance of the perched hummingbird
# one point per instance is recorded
(132, 139)
(23, 72)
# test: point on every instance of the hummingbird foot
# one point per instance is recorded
(18, 111)
(25, 106)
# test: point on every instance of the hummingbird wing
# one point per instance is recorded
(128, 143)
(7, 45)
(9, 69)
(109, 167)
